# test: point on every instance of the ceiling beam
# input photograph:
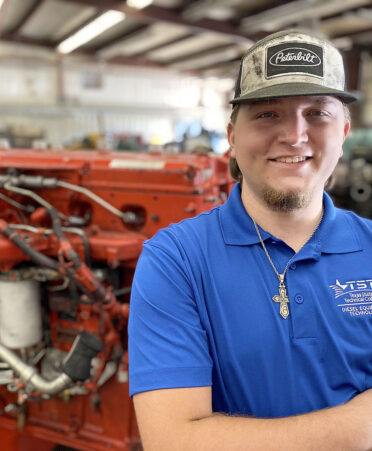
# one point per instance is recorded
(230, 66)
(80, 26)
(18, 39)
(353, 34)
(27, 16)
(154, 13)
(297, 11)
(134, 61)
(351, 10)
(194, 55)
(121, 59)
(352, 65)
(165, 44)
(120, 37)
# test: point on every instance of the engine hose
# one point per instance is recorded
(85, 242)
(29, 374)
(56, 223)
(73, 230)
(81, 271)
(34, 255)
(83, 276)
(41, 259)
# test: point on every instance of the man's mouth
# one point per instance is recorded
(290, 159)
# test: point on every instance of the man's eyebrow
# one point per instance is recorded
(322, 100)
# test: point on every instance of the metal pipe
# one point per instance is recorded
(9, 183)
(128, 216)
(14, 203)
(29, 374)
(26, 192)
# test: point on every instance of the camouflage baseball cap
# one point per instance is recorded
(291, 63)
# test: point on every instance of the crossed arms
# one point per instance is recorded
(181, 419)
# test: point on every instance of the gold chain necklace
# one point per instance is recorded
(282, 297)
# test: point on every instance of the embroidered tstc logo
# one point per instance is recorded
(355, 296)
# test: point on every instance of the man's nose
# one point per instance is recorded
(293, 131)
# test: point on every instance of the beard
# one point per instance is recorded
(285, 202)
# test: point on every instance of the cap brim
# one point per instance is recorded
(293, 90)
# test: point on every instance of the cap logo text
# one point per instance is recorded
(293, 56)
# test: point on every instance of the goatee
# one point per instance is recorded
(285, 202)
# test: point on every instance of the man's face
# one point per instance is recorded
(288, 147)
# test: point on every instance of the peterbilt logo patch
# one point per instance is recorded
(294, 58)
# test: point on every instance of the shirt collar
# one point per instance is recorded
(236, 224)
(335, 234)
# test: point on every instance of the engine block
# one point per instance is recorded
(72, 225)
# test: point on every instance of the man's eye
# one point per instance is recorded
(266, 114)
(318, 113)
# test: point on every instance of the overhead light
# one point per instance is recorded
(90, 31)
(139, 4)
(1, 3)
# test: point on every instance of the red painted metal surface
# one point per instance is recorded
(152, 190)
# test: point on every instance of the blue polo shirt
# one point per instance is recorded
(202, 313)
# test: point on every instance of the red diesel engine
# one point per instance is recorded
(72, 226)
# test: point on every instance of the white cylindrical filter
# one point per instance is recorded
(20, 313)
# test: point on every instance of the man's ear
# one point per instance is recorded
(346, 129)
(346, 132)
(231, 139)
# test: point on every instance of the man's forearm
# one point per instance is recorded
(322, 432)
(339, 428)
(182, 420)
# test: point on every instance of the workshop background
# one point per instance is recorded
(112, 125)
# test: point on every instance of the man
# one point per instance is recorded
(250, 326)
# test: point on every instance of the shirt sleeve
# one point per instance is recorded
(168, 347)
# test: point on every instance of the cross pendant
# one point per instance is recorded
(283, 299)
